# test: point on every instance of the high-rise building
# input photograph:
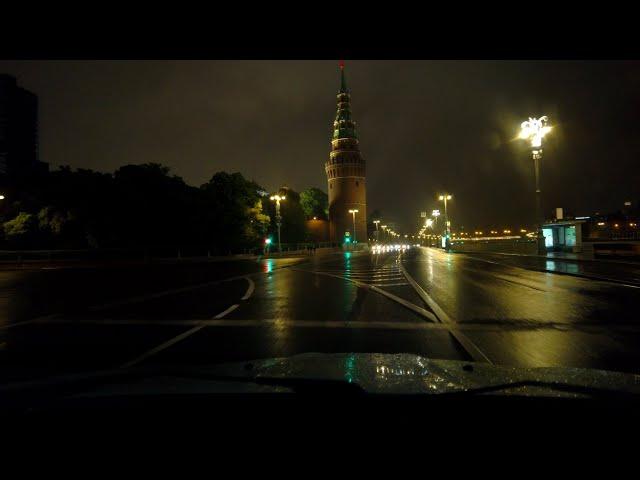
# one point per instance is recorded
(346, 174)
(18, 131)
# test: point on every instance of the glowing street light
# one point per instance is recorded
(353, 212)
(435, 214)
(376, 222)
(278, 199)
(534, 130)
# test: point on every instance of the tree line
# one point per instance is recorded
(147, 207)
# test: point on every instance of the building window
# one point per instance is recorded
(357, 183)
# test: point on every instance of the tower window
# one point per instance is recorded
(357, 183)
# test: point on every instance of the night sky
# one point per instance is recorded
(424, 127)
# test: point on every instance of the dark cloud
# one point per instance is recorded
(424, 127)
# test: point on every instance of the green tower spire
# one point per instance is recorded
(344, 126)
(343, 79)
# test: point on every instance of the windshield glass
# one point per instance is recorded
(188, 214)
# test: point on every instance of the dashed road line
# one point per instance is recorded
(153, 296)
(163, 346)
(41, 319)
(164, 293)
(356, 324)
(176, 339)
(227, 311)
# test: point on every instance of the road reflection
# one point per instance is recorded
(476, 291)
(562, 267)
(350, 368)
(269, 265)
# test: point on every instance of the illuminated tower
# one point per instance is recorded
(346, 174)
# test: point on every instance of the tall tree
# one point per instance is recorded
(235, 218)
(314, 203)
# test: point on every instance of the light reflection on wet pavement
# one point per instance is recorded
(523, 317)
(515, 316)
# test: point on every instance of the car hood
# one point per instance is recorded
(374, 373)
(413, 374)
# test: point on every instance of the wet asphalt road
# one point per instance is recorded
(494, 308)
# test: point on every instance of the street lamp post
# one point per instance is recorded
(534, 130)
(444, 198)
(376, 222)
(278, 199)
(435, 214)
(384, 231)
(429, 224)
(353, 212)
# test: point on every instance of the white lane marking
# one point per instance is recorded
(176, 339)
(163, 346)
(440, 313)
(227, 311)
(355, 324)
(358, 270)
(153, 296)
(371, 275)
(42, 319)
(471, 348)
(425, 313)
(250, 290)
(391, 296)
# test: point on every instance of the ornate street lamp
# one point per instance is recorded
(534, 130)
(444, 198)
(353, 212)
(278, 199)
